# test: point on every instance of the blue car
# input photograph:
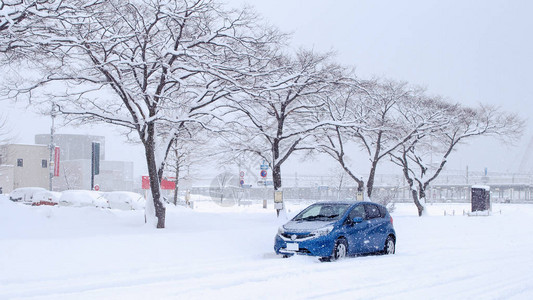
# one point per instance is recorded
(333, 230)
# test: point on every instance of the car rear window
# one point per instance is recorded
(383, 211)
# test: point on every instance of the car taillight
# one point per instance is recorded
(391, 220)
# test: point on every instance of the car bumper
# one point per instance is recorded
(320, 246)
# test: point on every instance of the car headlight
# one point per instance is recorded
(281, 230)
(323, 231)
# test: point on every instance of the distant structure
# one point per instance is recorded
(75, 164)
(526, 165)
(23, 166)
(73, 146)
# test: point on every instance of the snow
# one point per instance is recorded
(25, 194)
(82, 198)
(483, 187)
(46, 196)
(215, 252)
(124, 200)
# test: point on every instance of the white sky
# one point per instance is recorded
(468, 51)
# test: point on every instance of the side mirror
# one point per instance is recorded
(357, 220)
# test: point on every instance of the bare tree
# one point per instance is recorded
(339, 107)
(187, 151)
(368, 114)
(5, 131)
(150, 67)
(15, 19)
(224, 184)
(426, 154)
(275, 119)
(23, 22)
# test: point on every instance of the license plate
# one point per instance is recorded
(293, 247)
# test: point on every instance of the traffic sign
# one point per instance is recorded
(96, 187)
(242, 181)
(264, 167)
(263, 173)
(241, 174)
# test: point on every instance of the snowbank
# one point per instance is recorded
(125, 200)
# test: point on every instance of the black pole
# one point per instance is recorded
(92, 166)
(95, 162)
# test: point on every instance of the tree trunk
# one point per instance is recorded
(176, 188)
(276, 177)
(419, 205)
(370, 181)
(360, 183)
(410, 182)
(155, 186)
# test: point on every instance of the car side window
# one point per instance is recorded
(372, 211)
(357, 212)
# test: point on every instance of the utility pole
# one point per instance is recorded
(52, 146)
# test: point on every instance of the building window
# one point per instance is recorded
(20, 162)
(44, 163)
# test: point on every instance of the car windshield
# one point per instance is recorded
(322, 212)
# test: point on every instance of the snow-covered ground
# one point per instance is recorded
(215, 252)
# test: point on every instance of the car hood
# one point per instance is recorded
(305, 226)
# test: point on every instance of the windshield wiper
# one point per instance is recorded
(318, 217)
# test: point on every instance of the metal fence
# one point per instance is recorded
(449, 187)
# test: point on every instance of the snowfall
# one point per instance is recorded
(215, 252)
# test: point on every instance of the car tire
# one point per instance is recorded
(340, 250)
(390, 246)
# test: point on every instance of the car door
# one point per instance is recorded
(376, 234)
(356, 233)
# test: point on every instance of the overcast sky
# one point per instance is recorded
(467, 51)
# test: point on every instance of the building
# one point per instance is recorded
(75, 164)
(76, 175)
(73, 146)
(24, 166)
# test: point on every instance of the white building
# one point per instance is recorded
(24, 166)
(75, 164)
(76, 174)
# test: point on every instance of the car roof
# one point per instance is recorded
(348, 202)
(338, 202)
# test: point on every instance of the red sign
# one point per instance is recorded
(96, 187)
(263, 173)
(166, 184)
(56, 162)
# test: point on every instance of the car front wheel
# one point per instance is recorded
(340, 250)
